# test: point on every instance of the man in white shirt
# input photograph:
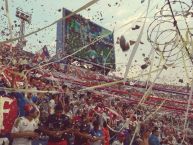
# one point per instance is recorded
(23, 129)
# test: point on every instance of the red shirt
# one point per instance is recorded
(106, 136)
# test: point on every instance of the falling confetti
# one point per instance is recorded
(144, 66)
(181, 80)
(109, 5)
(165, 67)
(136, 27)
(123, 44)
(142, 1)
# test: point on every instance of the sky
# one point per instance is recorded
(115, 13)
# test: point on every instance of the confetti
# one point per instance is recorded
(144, 66)
(136, 27)
(109, 5)
(123, 44)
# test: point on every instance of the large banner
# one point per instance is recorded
(8, 113)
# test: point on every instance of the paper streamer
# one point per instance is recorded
(111, 127)
(190, 93)
(156, 110)
(102, 85)
(135, 132)
(135, 46)
(151, 66)
(150, 88)
(130, 60)
(117, 82)
(187, 111)
(27, 90)
(114, 112)
(185, 66)
(9, 26)
(9, 19)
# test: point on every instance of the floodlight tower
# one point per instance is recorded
(24, 17)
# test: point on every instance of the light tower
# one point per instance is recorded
(24, 17)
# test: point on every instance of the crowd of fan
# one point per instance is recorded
(73, 117)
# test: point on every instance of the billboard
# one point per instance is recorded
(75, 32)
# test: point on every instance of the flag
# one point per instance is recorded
(42, 55)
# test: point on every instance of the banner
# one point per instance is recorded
(8, 113)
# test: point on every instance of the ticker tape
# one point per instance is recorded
(150, 88)
(27, 90)
(117, 82)
(187, 111)
(158, 74)
(158, 108)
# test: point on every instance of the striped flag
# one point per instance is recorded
(42, 55)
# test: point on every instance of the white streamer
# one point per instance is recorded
(135, 46)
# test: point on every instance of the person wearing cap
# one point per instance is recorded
(120, 139)
(57, 127)
(24, 127)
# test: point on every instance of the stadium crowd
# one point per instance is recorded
(57, 113)
(85, 119)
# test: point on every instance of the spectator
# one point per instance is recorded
(120, 139)
(57, 127)
(106, 134)
(53, 102)
(23, 129)
(153, 139)
(97, 134)
(82, 134)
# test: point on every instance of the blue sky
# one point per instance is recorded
(114, 13)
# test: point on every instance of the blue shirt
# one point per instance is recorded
(21, 101)
(96, 133)
(153, 140)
